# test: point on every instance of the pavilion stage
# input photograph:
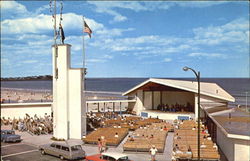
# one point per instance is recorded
(167, 115)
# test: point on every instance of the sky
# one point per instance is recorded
(130, 38)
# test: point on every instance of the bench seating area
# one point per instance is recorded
(186, 138)
(109, 134)
(131, 122)
(143, 140)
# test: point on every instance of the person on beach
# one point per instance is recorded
(153, 152)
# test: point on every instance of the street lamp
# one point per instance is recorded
(198, 80)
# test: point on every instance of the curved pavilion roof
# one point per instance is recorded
(206, 89)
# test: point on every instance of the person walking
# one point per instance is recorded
(153, 152)
(104, 142)
(99, 143)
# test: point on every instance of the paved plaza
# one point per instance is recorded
(28, 149)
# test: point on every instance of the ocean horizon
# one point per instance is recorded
(237, 87)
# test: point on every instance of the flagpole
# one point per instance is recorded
(83, 45)
(84, 84)
(55, 44)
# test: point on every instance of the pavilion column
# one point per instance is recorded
(152, 100)
(98, 107)
(161, 97)
(196, 106)
(113, 106)
(143, 93)
(120, 108)
(104, 107)
(87, 107)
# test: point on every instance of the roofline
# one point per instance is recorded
(206, 94)
(25, 104)
(136, 87)
(221, 112)
(47, 104)
(233, 136)
(183, 88)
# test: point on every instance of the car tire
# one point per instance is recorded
(43, 152)
(61, 157)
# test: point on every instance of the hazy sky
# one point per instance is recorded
(130, 39)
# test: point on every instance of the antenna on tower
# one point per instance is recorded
(53, 13)
(61, 32)
(52, 10)
(61, 11)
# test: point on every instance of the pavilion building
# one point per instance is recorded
(175, 99)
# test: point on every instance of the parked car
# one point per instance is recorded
(10, 136)
(63, 150)
(108, 156)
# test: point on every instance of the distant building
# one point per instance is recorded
(173, 99)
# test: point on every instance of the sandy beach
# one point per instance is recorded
(15, 95)
(12, 95)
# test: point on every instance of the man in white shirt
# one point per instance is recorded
(153, 152)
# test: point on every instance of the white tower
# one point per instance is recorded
(69, 112)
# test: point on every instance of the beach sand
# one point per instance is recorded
(13, 95)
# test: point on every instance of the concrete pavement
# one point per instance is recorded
(32, 141)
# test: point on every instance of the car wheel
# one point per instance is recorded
(42, 152)
(61, 157)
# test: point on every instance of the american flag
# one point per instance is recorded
(87, 29)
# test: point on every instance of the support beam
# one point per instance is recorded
(152, 99)
(120, 109)
(143, 96)
(161, 97)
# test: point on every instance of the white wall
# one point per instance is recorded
(157, 98)
(76, 109)
(20, 109)
(139, 105)
(226, 144)
(172, 97)
(148, 100)
(60, 95)
(168, 97)
(167, 116)
(242, 150)
(196, 106)
(206, 102)
(234, 149)
(207, 99)
(68, 101)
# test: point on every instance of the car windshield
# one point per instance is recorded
(109, 158)
(123, 159)
(76, 148)
(10, 132)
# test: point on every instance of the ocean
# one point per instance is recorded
(237, 87)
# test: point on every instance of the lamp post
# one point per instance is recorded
(198, 80)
